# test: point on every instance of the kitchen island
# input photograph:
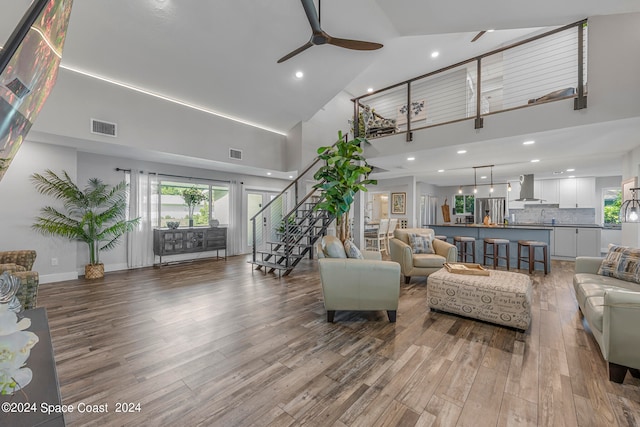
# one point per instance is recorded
(513, 233)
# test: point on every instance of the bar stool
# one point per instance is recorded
(496, 244)
(462, 243)
(440, 237)
(530, 257)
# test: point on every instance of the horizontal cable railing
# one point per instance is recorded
(547, 67)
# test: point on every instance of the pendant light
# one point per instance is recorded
(630, 209)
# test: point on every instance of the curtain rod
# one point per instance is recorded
(177, 176)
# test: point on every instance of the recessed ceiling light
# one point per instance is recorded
(535, 160)
(528, 142)
(268, 173)
(290, 176)
(462, 151)
(570, 170)
(435, 54)
(370, 90)
(558, 172)
(411, 158)
(483, 177)
(490, 31)
(572, 176)
(299, 74)
(440, 170)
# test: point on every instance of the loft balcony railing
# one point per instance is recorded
(544, 68)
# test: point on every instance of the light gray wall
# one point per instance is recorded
(21, 204)
(148, 123)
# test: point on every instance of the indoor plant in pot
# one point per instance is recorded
(343, 174)
(95, 215)
(192, 198)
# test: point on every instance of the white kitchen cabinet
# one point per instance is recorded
(577, 193)
(565, 242)
(571, 242)
(586, 192)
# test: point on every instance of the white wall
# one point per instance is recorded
(21, 204)
(148, 123)
(401, 185)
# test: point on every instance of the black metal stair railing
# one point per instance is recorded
(281, 238)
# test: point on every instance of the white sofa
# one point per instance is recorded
(611, 307)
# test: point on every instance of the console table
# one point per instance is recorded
(44, 387)
(167, 241)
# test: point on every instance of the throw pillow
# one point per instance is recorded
(352, 250)
(622, 263)
(421, 244)
(332, 247)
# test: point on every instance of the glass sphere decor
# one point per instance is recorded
(9, 286)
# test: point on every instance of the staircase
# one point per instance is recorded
(304, 226)
(297, 231)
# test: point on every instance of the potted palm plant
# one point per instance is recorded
(343, 174)
(95, 215)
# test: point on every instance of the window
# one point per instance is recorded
(173, 208)
(464, 204)
(612, 200)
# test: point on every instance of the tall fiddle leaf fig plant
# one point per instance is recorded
(344, 173)
(95, 215)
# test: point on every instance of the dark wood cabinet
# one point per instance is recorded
(177, 241)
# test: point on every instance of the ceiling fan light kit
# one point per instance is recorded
(320, 37)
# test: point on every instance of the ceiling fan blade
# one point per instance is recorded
(295, 52)
(353, 44)
(480, 34)
(312, 15)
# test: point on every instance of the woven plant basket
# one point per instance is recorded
(93, 271)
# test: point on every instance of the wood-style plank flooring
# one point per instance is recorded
(214, 343)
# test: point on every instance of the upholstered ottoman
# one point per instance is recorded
(502, 297)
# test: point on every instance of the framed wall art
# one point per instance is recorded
(399, 203)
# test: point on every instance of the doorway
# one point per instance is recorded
(267, 222)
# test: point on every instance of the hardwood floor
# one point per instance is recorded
(212, 343)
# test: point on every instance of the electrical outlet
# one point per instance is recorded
(54, 261)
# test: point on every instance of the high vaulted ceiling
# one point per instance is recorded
(222, 54)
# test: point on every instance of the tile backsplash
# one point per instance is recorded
(538, 214)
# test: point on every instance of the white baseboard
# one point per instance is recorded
(58, 277)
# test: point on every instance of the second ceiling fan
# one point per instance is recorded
(319, 37)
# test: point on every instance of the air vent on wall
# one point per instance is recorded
(100, 127)
(235, 154)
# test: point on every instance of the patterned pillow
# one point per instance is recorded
(352, 250)
(421, 244)
(622, 263)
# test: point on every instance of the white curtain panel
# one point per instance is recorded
(143, 203)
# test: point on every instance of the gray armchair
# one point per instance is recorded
(419, 264)
(351, 284)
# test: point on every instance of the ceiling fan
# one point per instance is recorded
(480, 34)
(319, 37)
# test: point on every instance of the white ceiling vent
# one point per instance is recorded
(101, 127)
(235, 154)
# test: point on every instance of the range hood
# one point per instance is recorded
(526, 189)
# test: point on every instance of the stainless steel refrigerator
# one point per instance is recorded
(495, 206)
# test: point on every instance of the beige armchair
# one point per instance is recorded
(19, 264)
(419, 264)
(351, 284)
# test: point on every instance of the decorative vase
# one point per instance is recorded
(94, 271)
(190, 222)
